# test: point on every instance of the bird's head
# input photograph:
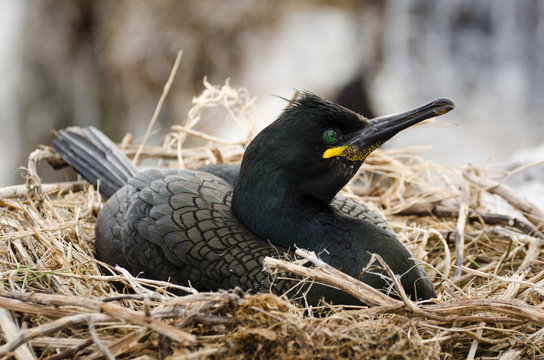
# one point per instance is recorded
(315, 146)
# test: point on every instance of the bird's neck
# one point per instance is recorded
(284, 216)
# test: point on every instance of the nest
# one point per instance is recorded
(57, 302)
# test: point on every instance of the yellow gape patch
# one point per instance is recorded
(335, 151)
(351, 152)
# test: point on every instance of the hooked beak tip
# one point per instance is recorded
(443, 105)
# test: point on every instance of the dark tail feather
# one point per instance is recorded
(95, 157)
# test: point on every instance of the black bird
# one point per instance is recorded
(212, 227)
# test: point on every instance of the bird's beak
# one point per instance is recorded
(381, 129)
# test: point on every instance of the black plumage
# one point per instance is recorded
(212, 227)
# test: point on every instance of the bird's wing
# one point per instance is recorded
(361, 211)
(178, 226)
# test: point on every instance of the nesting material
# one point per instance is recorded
(57, 301)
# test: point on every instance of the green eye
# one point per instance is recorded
(330, 136)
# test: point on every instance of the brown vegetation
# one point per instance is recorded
(487, 267)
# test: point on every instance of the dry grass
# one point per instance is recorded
(56, 303)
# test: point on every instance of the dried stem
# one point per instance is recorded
(460, 233)
(158, 108)
(11, 332)
(331, 276)
(432, 209)
(47, 328)
(532, 211)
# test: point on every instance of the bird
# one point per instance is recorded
(211, 227)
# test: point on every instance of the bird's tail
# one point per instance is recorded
(95, 157)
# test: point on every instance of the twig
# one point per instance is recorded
(515, 354)
(139, 289)
(18, 191)
(515, 309)
(33, 180)
(25, 307)
(204, 353)
(11, 331)
(431, 208)
(41, 330)
(331, 276)
(508, 280)
(113, 310)
(207, 137)
(97, 341)
(532, 211)
(531, 255)
(69, 353)
(522, 168)
(136, 317)
(400, 290)
(151, 152)
(475, 342)
(144, 281)
(460, 232)
(159, 105)
(447, 253)
(122, 345)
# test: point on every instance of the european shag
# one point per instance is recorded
(211, 228)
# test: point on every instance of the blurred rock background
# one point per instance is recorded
(105, 63)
